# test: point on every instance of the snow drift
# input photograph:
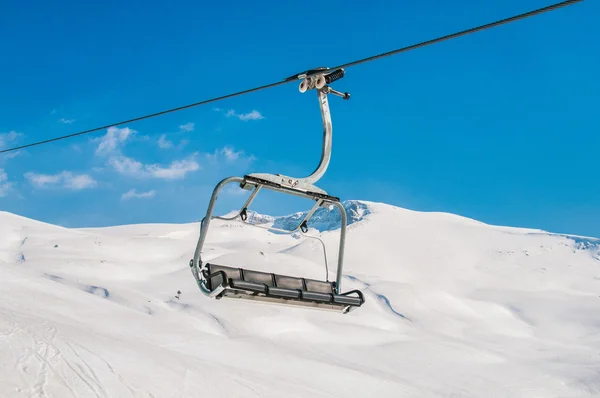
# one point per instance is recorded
(454, 307)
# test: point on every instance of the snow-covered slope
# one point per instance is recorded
(455, 308)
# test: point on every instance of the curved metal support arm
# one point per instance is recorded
(327, 140)
(200, 283)
(307, 183)
(197, 262)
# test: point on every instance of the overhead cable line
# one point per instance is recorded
(300, 76)
(464, 32)
(143, 117)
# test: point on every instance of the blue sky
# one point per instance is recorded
(500, 126)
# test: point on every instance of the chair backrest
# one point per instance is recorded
(289, 282)
(258, 277)
(319, 286)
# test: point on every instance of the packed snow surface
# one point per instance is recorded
(454, 308)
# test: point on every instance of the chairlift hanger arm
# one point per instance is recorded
(319, 82)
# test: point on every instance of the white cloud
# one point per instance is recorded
(41, 180)
(132, 193)
(5, 186)
(66, 178)
(187, 127)
(7, 138)
(230, 155)
(67, 121)
(113, 138)
(111, 143)
(77, 182)
(126, 166)
(164, 143)
(176, 170)
(10, 155)
(254, 115)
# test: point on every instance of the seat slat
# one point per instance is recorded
(283, 292)
(252, 286)
(350, 300)
(316, 296)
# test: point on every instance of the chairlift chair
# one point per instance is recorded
(220, 281)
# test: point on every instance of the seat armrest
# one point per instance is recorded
(360, 294)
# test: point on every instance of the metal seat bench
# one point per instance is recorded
(249, 284)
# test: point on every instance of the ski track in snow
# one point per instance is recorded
(21, 255)
(454, 308)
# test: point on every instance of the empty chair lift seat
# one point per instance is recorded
(243, 283)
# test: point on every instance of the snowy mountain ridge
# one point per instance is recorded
(329, 219)
(324, 219)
